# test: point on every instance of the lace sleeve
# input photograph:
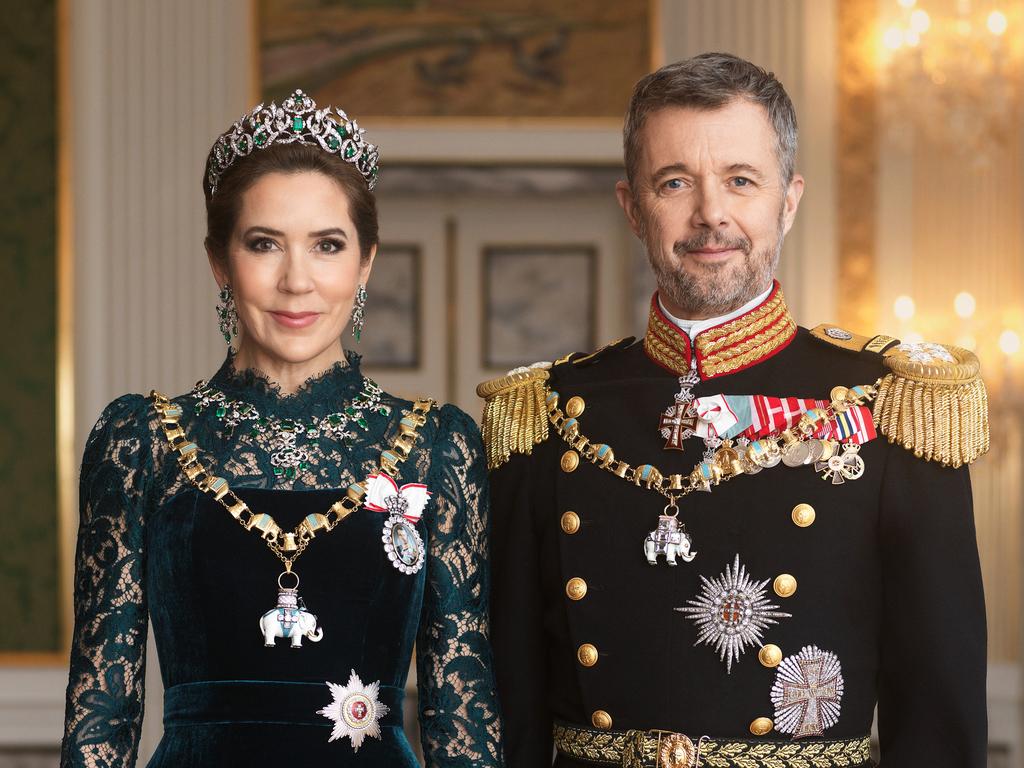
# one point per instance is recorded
(459, 720)
(105, 686)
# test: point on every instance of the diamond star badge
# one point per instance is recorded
(731, 612)
(356, 711)
(808, 692)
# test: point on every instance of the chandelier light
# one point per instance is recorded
(951, 73)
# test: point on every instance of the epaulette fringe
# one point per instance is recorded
(937, 409)
(515, 413)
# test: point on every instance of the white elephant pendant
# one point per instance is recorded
(289, 619)
(669, 539)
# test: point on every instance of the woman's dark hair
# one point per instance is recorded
(222, 209)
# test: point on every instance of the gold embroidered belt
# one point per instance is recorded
(665, 749)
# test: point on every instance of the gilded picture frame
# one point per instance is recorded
(481, 64)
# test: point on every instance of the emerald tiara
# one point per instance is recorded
(296, 120)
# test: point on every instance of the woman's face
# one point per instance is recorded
(293, 262)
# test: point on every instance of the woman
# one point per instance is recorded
(377, 503)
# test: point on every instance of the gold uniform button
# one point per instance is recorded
(770, 655)
(784, 585)
(576, 588)
(601, 720)
(570, 460)
(761, 726)
(587, 655)
(803, 515)
(575, 407)
(570, 522)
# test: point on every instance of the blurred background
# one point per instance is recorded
(499, 127)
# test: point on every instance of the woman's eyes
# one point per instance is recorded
(329, 245)
(261, 244)
(266, 244)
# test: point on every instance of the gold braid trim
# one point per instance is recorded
(775, 754)
(515, 413)
(938, 410)
(743, 327)
(663, 344)
(752, 349)
(639, 749)
(738, 343)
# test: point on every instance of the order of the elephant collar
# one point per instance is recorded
(736, 344)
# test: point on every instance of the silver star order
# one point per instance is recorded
(926, 352)
(731, 612)
(356, 711)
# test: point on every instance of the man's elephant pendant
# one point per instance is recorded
(289, 619)
(669, 539)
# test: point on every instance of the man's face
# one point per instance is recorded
(709, 203)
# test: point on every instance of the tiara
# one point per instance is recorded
(296, 120)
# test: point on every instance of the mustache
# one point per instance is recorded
(704, 239)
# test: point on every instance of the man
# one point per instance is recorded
(817, 570)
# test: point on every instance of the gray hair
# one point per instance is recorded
(710, 81)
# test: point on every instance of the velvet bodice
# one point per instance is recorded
(151, 543)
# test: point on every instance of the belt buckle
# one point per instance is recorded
(675, 750)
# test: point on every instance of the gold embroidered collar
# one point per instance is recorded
(727, 348)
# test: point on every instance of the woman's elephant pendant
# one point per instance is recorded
(289, 619)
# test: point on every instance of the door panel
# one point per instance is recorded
(505, 281)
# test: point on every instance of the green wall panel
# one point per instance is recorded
(28, 306)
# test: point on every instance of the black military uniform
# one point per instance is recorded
(867, 590)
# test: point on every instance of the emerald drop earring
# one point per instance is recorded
(227, 316)
(358, 312)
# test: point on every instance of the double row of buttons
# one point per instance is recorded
(784, 585)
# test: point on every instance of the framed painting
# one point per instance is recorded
(389, 61)
(539, 301)
(393, 307)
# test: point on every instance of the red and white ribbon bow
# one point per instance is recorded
(384, 495)
(714, 415)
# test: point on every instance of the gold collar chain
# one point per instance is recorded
(727, 463)
(287, 545)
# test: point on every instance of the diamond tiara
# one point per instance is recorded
(296, 120)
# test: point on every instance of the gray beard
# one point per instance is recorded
(713, 294)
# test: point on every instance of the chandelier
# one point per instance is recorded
(951, 73)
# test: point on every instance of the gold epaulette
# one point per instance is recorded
(937, 408)
(515, 413)
(933, 400)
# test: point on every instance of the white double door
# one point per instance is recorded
(483, 307)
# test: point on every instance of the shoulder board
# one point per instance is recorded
(515, 412)
(593, 357)
(853, 342)
(933, 400)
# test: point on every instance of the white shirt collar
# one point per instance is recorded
(692, 327)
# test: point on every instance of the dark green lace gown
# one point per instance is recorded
(151, 548)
